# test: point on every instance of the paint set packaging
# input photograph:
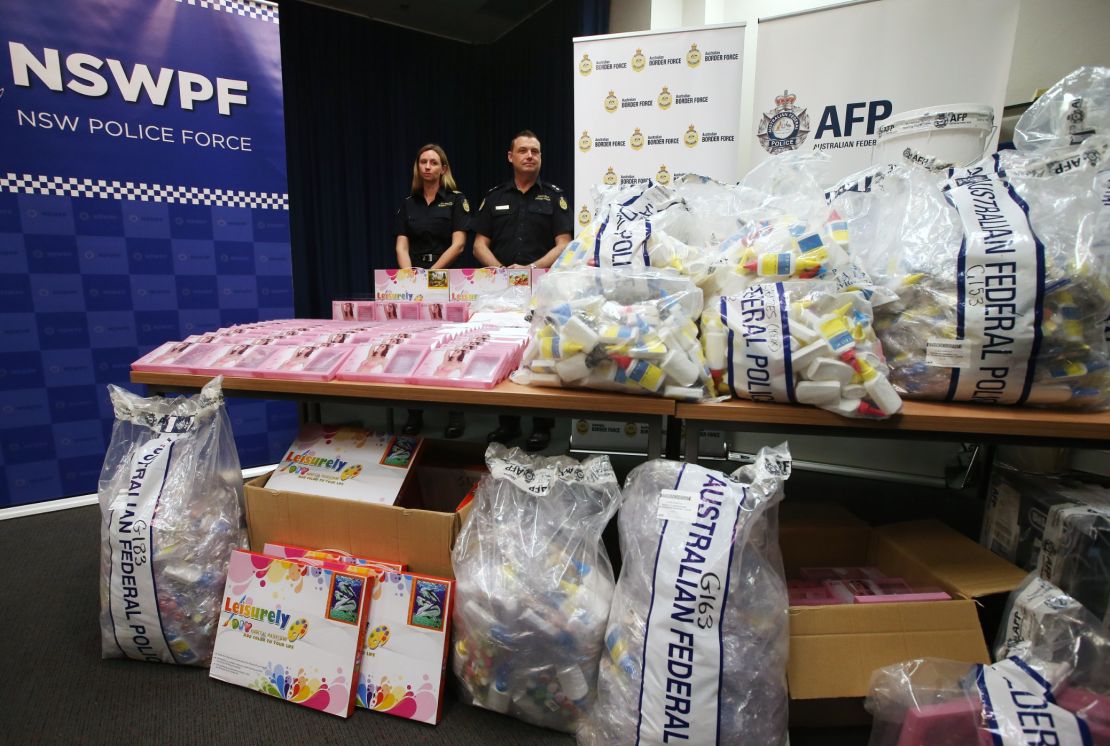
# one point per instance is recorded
(350, 463)
(170, 500)
(331, 631)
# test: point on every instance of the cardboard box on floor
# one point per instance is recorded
(419, 530)
(834, 649)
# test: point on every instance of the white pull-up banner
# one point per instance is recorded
(649, 106)
(827, 79)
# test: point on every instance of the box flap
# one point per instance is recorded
(421, 539)
(820, 535)
(834, 649)
(929, 552)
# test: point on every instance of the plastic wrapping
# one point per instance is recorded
(799, 342)
(1053, 688)
(619, 329)
(533, 586)
(1000, 271)
(1041, 617)
(646, 226)
(787, 232)
(1069, 112)
(1017, 512)
(697, 635)
(1075, 554)
(171, 497)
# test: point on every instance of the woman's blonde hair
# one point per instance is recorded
(446, 180)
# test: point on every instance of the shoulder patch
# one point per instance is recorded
(466, 205)
(562, 203)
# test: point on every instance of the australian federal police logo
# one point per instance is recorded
(585, 142)
(612, 103)
(664, 99)
(639, 61)
(586, 65)
(784, 127)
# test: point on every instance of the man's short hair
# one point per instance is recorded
(523, 133)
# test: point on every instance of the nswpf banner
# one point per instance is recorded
(828, 79)
(651, 106)
(143, 198)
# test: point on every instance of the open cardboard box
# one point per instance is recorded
(418, 530)
(834, 649)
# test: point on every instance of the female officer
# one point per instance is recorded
(431, 232)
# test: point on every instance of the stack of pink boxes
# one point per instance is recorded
(458, 354)
(824, 586)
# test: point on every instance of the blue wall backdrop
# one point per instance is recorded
(143, 198)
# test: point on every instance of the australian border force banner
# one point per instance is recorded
(828, 79)
(654, 105)
(143, 198)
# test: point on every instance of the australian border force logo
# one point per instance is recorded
(784, 127)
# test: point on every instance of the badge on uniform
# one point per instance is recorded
(501, 208)
(466, 205)
(562, 203)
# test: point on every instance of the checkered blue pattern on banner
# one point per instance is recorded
(247, 8)
(90, 283)
(72, 186)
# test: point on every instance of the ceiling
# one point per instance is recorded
(471, 21)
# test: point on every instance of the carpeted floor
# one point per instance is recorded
(59, 691)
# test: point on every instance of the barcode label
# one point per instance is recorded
(947, 353)
(675, 505)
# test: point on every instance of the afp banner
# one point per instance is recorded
(143, 198)
(828, 79)
(650, 106)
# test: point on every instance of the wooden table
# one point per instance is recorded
(918, 420)
(505, 398)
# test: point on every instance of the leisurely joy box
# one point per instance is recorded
(292, 631)
(411, 284)
(472, 284)
(404, 657)
(346, 462)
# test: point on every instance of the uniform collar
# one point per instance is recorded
(537, 185)
(441, 195)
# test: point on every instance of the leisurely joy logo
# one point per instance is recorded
(243, 615)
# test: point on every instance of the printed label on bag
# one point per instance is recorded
(1038, 601)
(1019, 709)
(759, 344)
(680, 694)
(539, 481)
(678, 506)
(947, 353)
(1000, 291)
(133, 599)
(622, 241)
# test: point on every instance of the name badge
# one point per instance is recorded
(501, 208)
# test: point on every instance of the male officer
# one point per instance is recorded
(522, 223)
